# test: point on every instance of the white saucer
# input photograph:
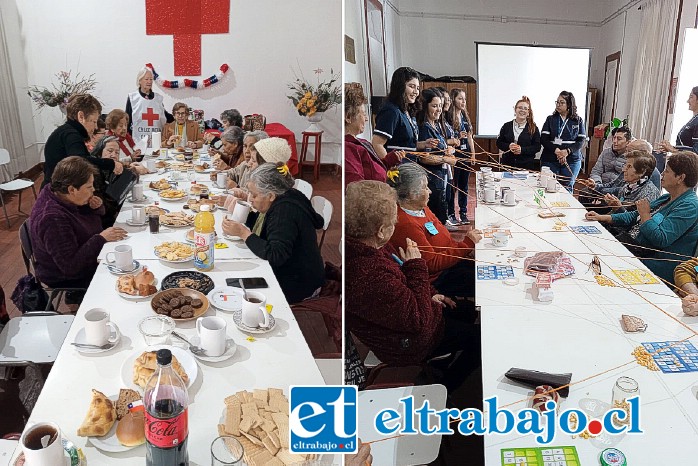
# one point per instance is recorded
(117, 271)
(230, 349)
(226, 298)
(232, 238)
(130, 222)
(114, 337)
(237, 319)
(142, 200)
(490, 203)
(491, 243)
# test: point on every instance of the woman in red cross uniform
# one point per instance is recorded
(145, 109)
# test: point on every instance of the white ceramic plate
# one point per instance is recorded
(183, 356)
(136, 297)
(232, 238)
(177, 261)
(226, 298)
(114, 337)
(230, 350)
(110, 443)
(237, 320)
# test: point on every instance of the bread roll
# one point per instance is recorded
(130, 431)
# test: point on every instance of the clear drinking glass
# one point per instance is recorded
(625, 388)
(226, 450)
(156, 330)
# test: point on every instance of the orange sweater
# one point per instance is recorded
(414, 228)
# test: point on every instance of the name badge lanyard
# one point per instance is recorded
(413, 125)
(463, 141)
(558, 140)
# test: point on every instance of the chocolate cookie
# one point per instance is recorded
(196, 303)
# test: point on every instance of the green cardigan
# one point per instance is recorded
(673, 229)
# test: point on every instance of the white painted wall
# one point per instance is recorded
(267, 39)
(444, 45)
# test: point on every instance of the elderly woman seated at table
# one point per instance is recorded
(108, 147)
(360, 160)
(182, 132)
(449, 270)
(288, 237)
(686, 278)
(238, 176)
(66, 226)
(630, 186)
(391, 305)
(231, 153)
(665, 229)
(117, 125)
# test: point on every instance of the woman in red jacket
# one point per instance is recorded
(360, 159)
(450, 270)
(390, 304)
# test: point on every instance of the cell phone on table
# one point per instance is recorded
(250, 283)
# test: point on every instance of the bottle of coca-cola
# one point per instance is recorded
(166, 420)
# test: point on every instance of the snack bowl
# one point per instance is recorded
(186, 292)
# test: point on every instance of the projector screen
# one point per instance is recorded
(506, 72)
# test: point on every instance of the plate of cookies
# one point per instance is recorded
(176, 219)
(181, 304)
(174, 251)
(160, 185)
(141, 365)
(259, 421)
(195, 204)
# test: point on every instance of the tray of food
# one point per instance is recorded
(160, 185)
(195, 204)
(180, 303)
(139, 366)
(174, 251)
(203, 168)
(176, 219)
(138, 286)
(188, 279)
(172, 194)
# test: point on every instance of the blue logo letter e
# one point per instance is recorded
(323, 419)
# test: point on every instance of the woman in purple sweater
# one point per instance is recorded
(66, 226)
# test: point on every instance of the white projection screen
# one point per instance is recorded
(506, 72)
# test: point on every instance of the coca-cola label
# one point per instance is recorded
(166, 433)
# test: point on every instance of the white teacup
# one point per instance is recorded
(97, 327)
(222, 180)
(488, 194)
(138, 215)
(509, 197)
(500, 239)
(151, 165)
(254, 310)
(137, 191)
(551, 185)
(42, 445)
(240, 212)
(486, 169)
(123, 257)
(212, 335)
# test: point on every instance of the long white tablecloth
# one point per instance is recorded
(279, 358)
(580, 332)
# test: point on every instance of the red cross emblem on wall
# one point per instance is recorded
(186, 21)
(150, 116)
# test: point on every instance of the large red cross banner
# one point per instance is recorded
(186, 21)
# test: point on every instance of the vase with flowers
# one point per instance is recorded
(313, 99)
(58, 94)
